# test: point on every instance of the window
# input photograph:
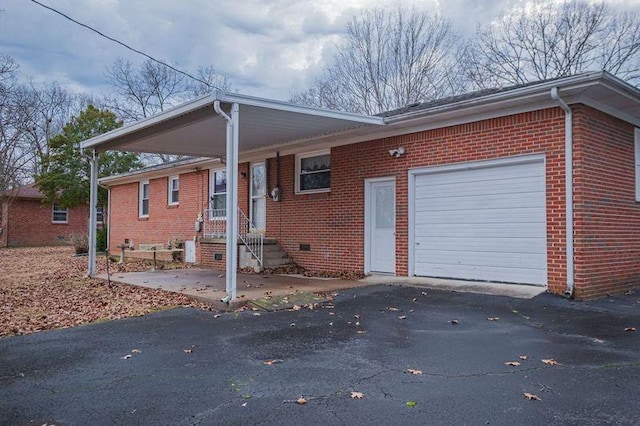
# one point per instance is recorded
(59, 215)
(99, 214)
(174, 185)
(637, 162)
(313, 172)
(218, 195)
(143, 208)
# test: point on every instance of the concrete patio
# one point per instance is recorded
(208, 285)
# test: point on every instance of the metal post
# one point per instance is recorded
(93, 202)
(233, 210)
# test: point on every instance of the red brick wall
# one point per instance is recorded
(165, 222)
(29, 224)
(3, 222)
(607, 217)
(333, 223)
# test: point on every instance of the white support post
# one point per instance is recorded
(93, 202)
(233, 211)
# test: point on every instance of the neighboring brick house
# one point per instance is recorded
(471, 187)
(28, 221)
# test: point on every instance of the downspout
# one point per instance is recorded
(568, 156)
(230, 243)
(93, 201)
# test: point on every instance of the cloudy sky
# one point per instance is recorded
(268, 48)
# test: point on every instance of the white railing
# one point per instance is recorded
(215, 226)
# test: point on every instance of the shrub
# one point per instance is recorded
(80, 243)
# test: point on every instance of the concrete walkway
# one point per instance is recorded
(209, 286)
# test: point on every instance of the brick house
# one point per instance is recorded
(472, 187)
(27, 221)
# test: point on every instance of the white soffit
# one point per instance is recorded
(195, 129)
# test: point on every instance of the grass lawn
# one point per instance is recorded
(45, 288)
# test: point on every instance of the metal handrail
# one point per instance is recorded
(215, 226)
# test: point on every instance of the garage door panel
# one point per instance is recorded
(511, 215)
(483, 258)
(481, 230)
(495, 245)
(517, 186)
(484, 174)
(482, 223)
(480, 202)
(484, 273)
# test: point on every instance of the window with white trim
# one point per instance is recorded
(59, 214)
(99, 214)
(637, 161)
(174, 186)
(143, 195)
(218, 194)
(313, 172)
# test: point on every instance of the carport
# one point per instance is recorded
(223, 125)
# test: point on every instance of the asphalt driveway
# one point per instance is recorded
(189, 367)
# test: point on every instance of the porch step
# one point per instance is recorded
(274, 256)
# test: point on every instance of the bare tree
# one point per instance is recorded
(548, 40)
(387, 60)
(153, 88)
(208, 80)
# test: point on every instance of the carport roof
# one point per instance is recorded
(195, 129)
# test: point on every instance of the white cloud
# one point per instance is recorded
(268, 48)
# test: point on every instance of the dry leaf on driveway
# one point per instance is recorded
(403, 317)
(272, 361)
(512, 363)
(301, 401)
(187, 351)
(455, 322)
(493, 318)
(550, 361)
(413, 371)
(126, 356)
(630, 329)
(357, 395)
(524, 357)
(532, 397)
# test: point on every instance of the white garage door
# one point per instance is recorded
(482, 222)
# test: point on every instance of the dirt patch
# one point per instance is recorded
(45, 288)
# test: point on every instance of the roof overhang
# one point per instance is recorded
(195, 129)
(161, 170)
(600, 90)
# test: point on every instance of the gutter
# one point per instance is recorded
(568, 156)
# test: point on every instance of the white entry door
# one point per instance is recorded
(381, 226)
(258, 197)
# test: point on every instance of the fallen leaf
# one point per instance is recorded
(410, 404)
(293, 324)
(550, 361)
(413, 371)
(272, 361)
(187, 351)
(402, 317)
(454, 322)
(630, 329)
(512, 363)
(393, 309)
(244, 404)
(361, 331)
(331, 324)
(415, 299)
(216, 316)
(357, 395)
(532, 397)
(356, 316)
(256, 314)
(357, 323)
(126, 356)
(301, 401)
(136, 351)
(424, 293)
(524, 357)
(493, 318)
(296, 308)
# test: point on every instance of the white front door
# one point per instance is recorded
(258, 197)
(381, 226)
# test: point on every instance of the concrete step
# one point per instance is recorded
(272, 263)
